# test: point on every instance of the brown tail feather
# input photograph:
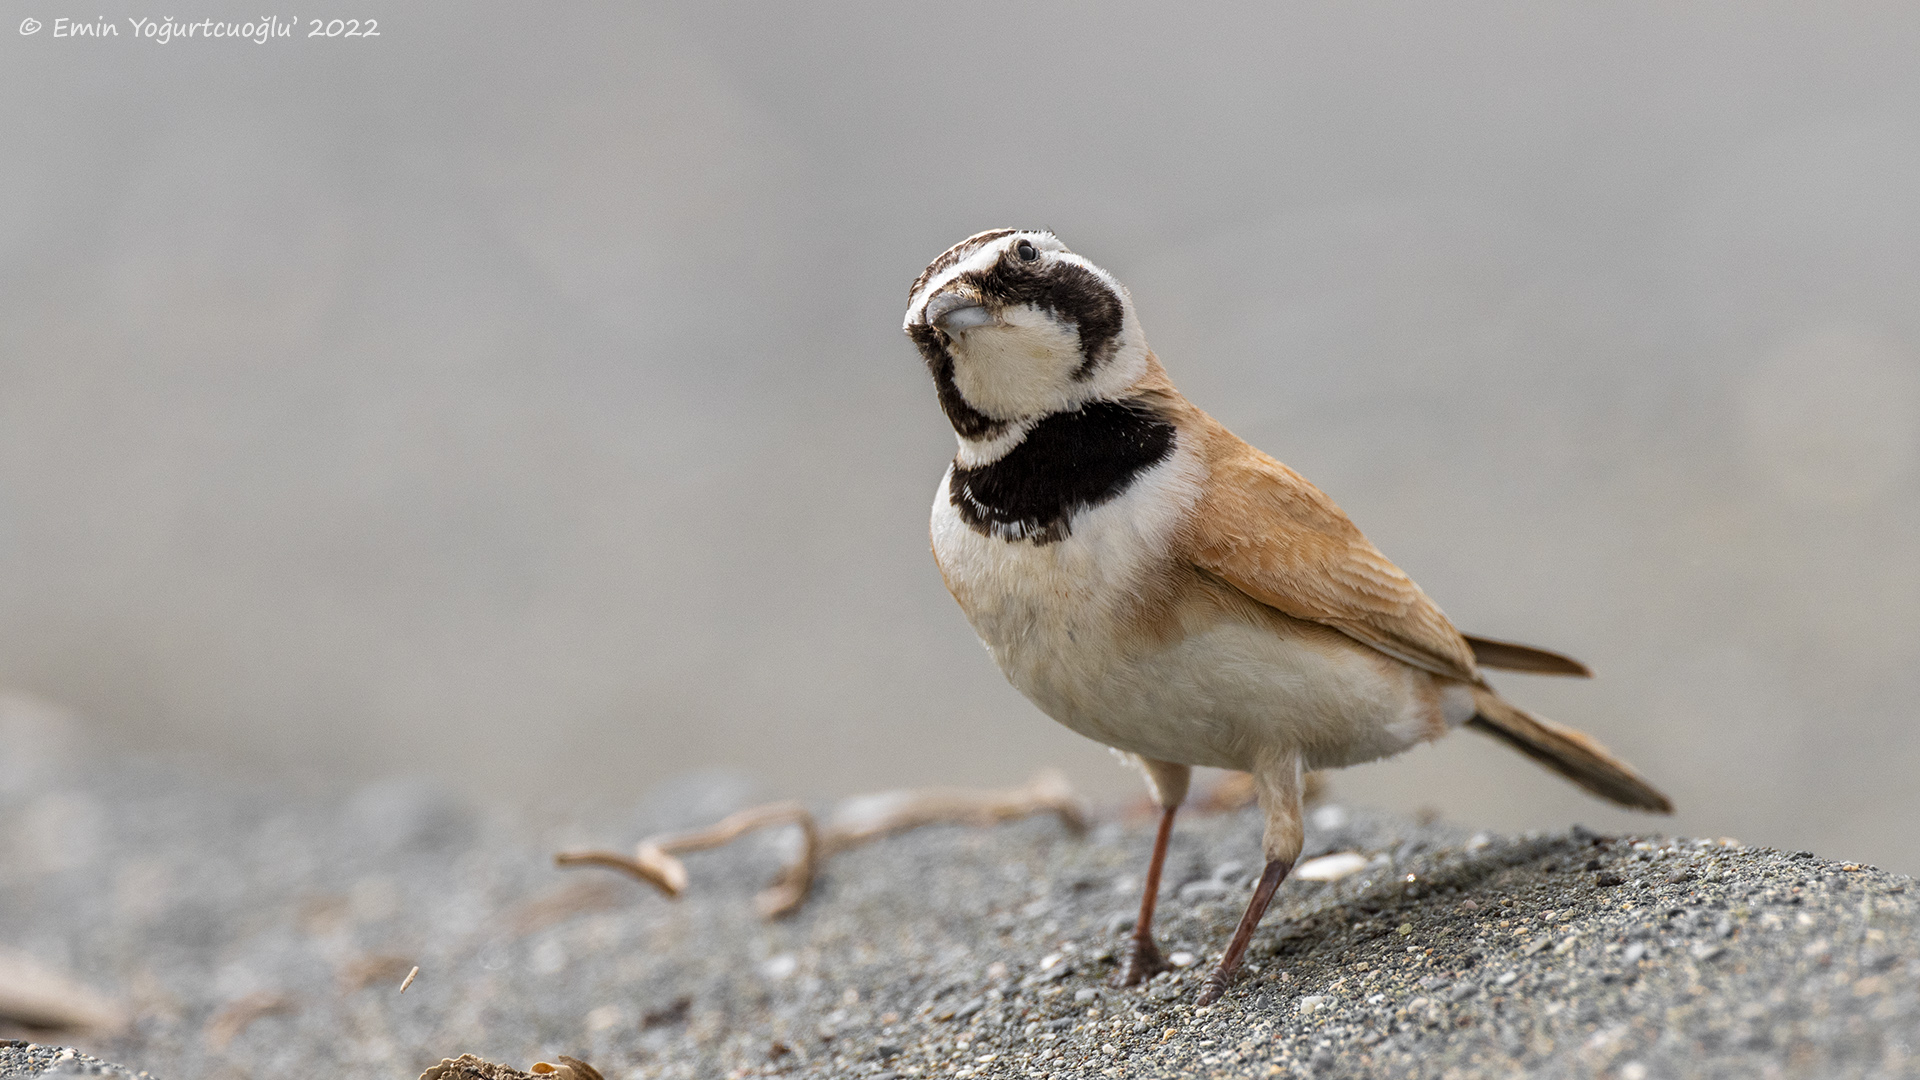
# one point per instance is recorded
(1510, 657)
(1567, 752)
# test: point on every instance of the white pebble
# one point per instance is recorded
(1331, 867)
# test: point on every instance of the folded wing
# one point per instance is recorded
(1265, 530)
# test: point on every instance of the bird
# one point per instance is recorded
(1154, 583)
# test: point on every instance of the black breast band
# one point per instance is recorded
(1068, 462)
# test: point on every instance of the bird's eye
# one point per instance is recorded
(1026, 251)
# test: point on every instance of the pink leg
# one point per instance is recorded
(1143, 959)
(1222, 976)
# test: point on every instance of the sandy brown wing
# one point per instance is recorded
(1268, 532)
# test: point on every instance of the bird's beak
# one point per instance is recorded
(956, 311)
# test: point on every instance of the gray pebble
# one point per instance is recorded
(1195, 891)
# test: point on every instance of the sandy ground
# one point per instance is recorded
(242, 931)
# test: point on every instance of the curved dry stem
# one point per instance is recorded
(654, 861)
(1047, 792)
(655, 867)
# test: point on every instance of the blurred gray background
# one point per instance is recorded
(521, 392)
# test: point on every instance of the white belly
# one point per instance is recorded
(1061, 620)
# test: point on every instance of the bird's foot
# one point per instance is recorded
(1215, 986)
(1143, 962)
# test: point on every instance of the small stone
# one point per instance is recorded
(1680, 876)
(1085, 994)
(1607, 879)
(1311, 1003)
(1181, 959)
(1461, 991)
(1229, 871)
(1331, 867)
(1634, 954)
(1705, 952)
(1403, 929)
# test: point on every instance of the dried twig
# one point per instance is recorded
(654, 863)
(408, 981)
(874, 817)
(877, 816)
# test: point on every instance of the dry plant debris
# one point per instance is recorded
(39, 1000)
(862, 820)
(468, 1067)
(408, 981)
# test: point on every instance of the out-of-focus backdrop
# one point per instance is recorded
(521, 391)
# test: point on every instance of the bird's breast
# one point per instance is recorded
(1066, 614)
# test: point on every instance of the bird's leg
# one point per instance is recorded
(1278, 781)
(1169, 785)
(1143, 960)
(1222, 976)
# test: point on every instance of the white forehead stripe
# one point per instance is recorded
(988, 254)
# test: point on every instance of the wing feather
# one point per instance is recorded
(1262, 528)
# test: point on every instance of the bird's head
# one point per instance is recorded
(1015, 327)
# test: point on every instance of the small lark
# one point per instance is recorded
(1160, 586)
